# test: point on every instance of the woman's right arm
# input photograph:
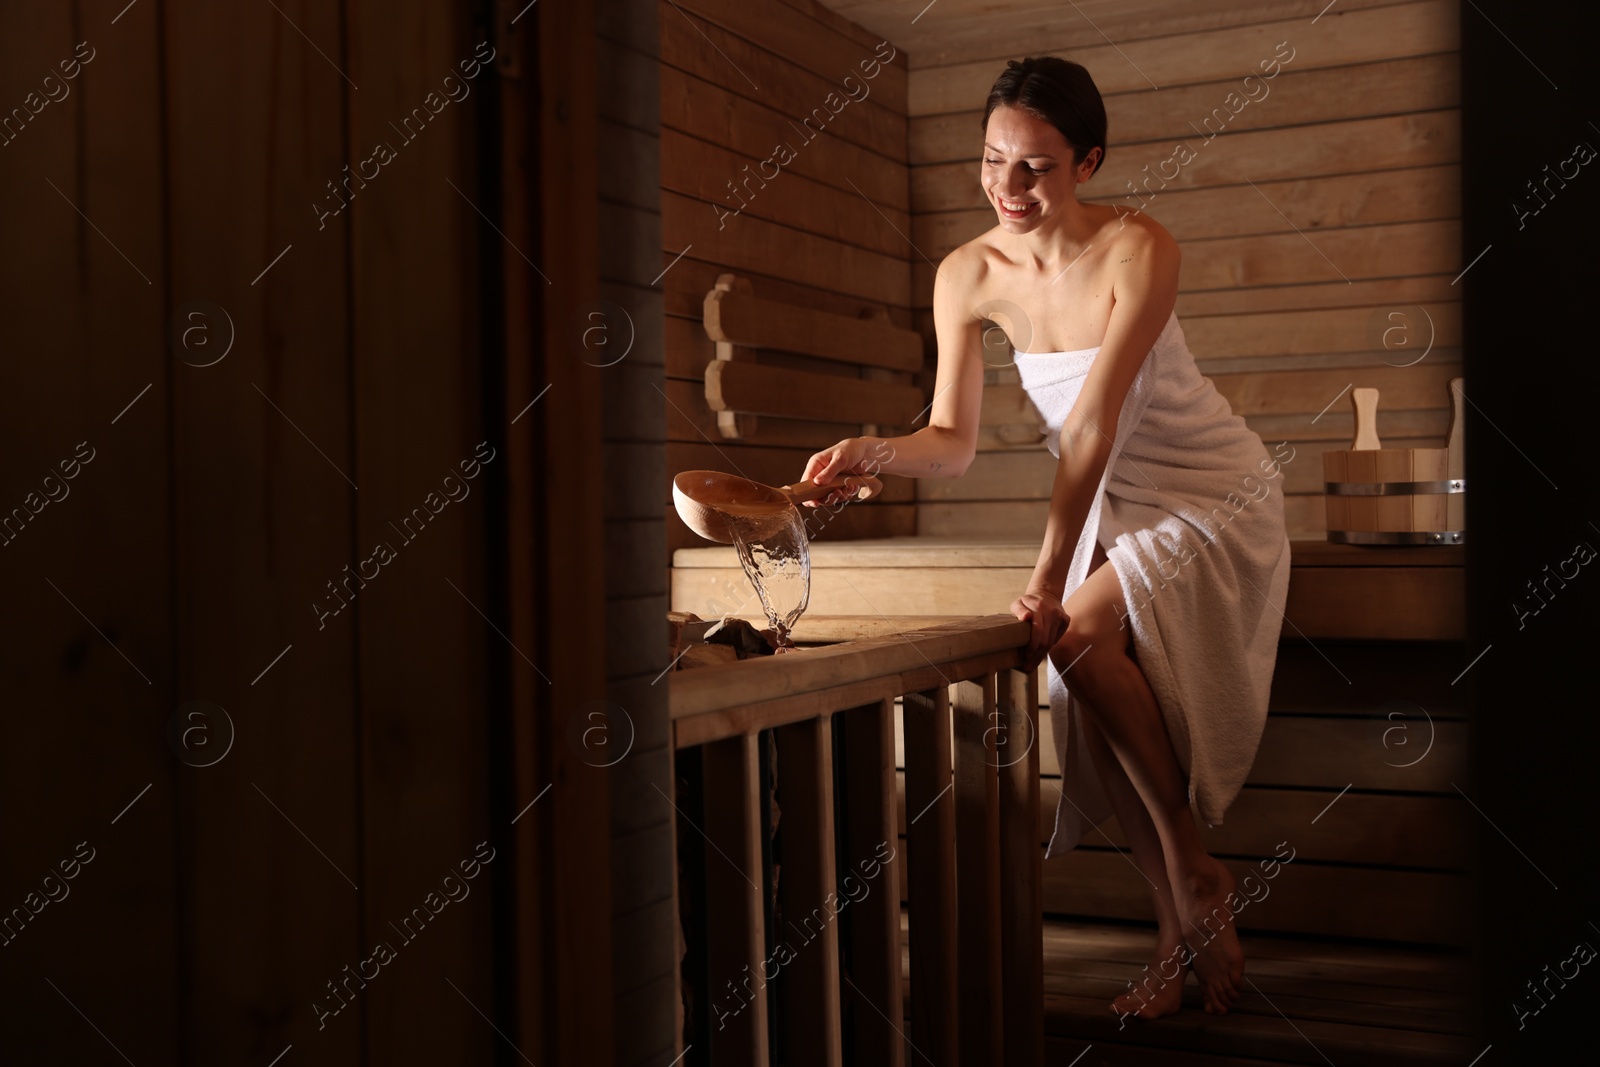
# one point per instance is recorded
(945, 447)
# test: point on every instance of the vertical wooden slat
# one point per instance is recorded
(736, 935)
(1022, 867)
(529, 889)
(84, 335)
(870, 882)
(422, 799)
(977, 792)
(263, 522)
(931, 892)
(571, 581)
(806, 884)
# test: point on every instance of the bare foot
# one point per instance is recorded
(1209, 930)
(1158, 990)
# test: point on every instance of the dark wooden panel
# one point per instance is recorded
(735, 901)
(870, 840)
(1306, 997)
(1383, 603)
(1422, 907)
(574, 1006)
(1372, 752)
(930, 884)
(1426, 976)
(1380, 672)
(1408, 906)
(1021, 867)
(978, 935)
(265, 477)
(809, 987)
(420, 640)
(1242, 1037)
(85, 557)
(1389, 829)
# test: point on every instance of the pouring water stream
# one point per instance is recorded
(764, 526)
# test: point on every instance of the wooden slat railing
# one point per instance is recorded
(972, 802)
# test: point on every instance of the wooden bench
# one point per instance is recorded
(1372, 636)
(1366, 738)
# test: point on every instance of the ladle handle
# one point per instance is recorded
(803, 491)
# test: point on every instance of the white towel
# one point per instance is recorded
(1190, 513)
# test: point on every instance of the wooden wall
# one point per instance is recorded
(184, 564)
(84, 724)
(738, 77)
(1334, 269)
(644, 942)
(367, 754)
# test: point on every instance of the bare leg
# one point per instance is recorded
(1113, 690)
(1159, 990)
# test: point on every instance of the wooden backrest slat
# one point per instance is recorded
(742, 319)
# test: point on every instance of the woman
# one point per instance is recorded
(1161, 662)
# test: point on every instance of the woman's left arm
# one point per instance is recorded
(1144, 292)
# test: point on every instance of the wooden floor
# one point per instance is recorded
(1305, 1003)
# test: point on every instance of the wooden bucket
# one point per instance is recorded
(1396, 496)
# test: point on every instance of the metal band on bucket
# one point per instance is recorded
(1449, 485)
(1398, 537)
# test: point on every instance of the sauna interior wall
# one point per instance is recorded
(1320, 227)
(644, 959)
(828, 232)
(187, 557)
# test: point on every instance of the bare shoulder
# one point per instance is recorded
(1135, 234)
(963, 273)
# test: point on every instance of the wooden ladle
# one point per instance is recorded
(706, 500)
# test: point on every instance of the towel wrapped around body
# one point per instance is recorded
(1190, 514)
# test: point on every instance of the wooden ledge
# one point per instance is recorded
(1336, 592)
(734, 699)
(885, 552)
(1328, 554)
(764, 678)
(967, 552)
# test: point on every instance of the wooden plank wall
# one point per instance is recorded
(1320, 228)
(644, 940)
(223, 901)
(829, 231)
(84, 724)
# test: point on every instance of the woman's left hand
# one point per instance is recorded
(1049, 620)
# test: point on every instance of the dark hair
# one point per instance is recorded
(1061, 93)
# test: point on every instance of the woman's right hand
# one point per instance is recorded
(1049, 620)
(852, 456)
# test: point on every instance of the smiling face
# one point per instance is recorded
(1028, 173)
